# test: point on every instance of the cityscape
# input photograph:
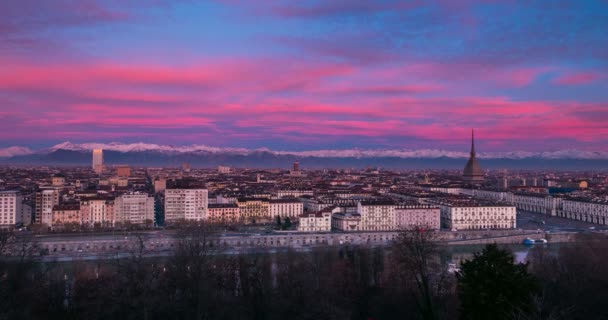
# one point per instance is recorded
(311, 160)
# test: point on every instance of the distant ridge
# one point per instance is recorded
(346, 153)
(70, 154)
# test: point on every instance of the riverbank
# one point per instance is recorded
(103, 246)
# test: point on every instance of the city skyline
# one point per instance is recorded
(309, 76)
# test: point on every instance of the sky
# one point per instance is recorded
(306, 75)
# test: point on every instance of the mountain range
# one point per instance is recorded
(143, 154)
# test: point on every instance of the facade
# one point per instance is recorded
(418, 215)
(254, 210)
(313, 204)
(294, 193)
(134, 208)
(285, 208)
(11, 208)
(492, 195)
(463, 213)
(377, 215)
(224, 213)
(44, 203)
(123, 171)
(26, 213)
(186, 204)
(537, 202)
(160, 185)
(67, 214)
(97, 212)
(346, 221)
(317, 221)
(223, 169)
(98, 161)
(58, 180)
(472, 172)
(585, 210)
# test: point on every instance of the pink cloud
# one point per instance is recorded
(578, 78)
(236, 99)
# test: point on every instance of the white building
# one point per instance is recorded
(346, 221)
(186, 204)
(418, 215)
(463, 213)
(10, 208)
(532, 202)
(286, 208)
(98, 161)
(537, 202)
(500, 196)
(377, 215)
(97, 212)
(223, 169)
(45, 201)
(317, 221)
(585, 210)
(448, 190)
(294, 193)
(135, 208)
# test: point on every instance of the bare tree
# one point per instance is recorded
(192, 268)
(415, 258)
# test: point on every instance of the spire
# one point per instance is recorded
(472, 143)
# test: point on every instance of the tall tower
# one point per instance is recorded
(98, 161)
(296, 166)
(472, 171)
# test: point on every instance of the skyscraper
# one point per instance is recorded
(472, 171)
(98, 161)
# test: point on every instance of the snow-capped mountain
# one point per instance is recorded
(15, 151)
(142, 147)
(145, 154)
(347, 153)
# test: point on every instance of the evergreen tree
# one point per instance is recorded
(287, 224)
(493, 286)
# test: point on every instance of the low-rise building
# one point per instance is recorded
(583, 209)
(537, 203)
(97, 212)
(285, 208)
(317, 221)
(346, 221)
(465, 213)
(412, 215)
(68, 213)
(224, 213)
(293, 193)
(377, 215)
(254, 210)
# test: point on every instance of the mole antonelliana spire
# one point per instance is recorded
(472, 171)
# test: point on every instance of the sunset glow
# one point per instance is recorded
(316, 75)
